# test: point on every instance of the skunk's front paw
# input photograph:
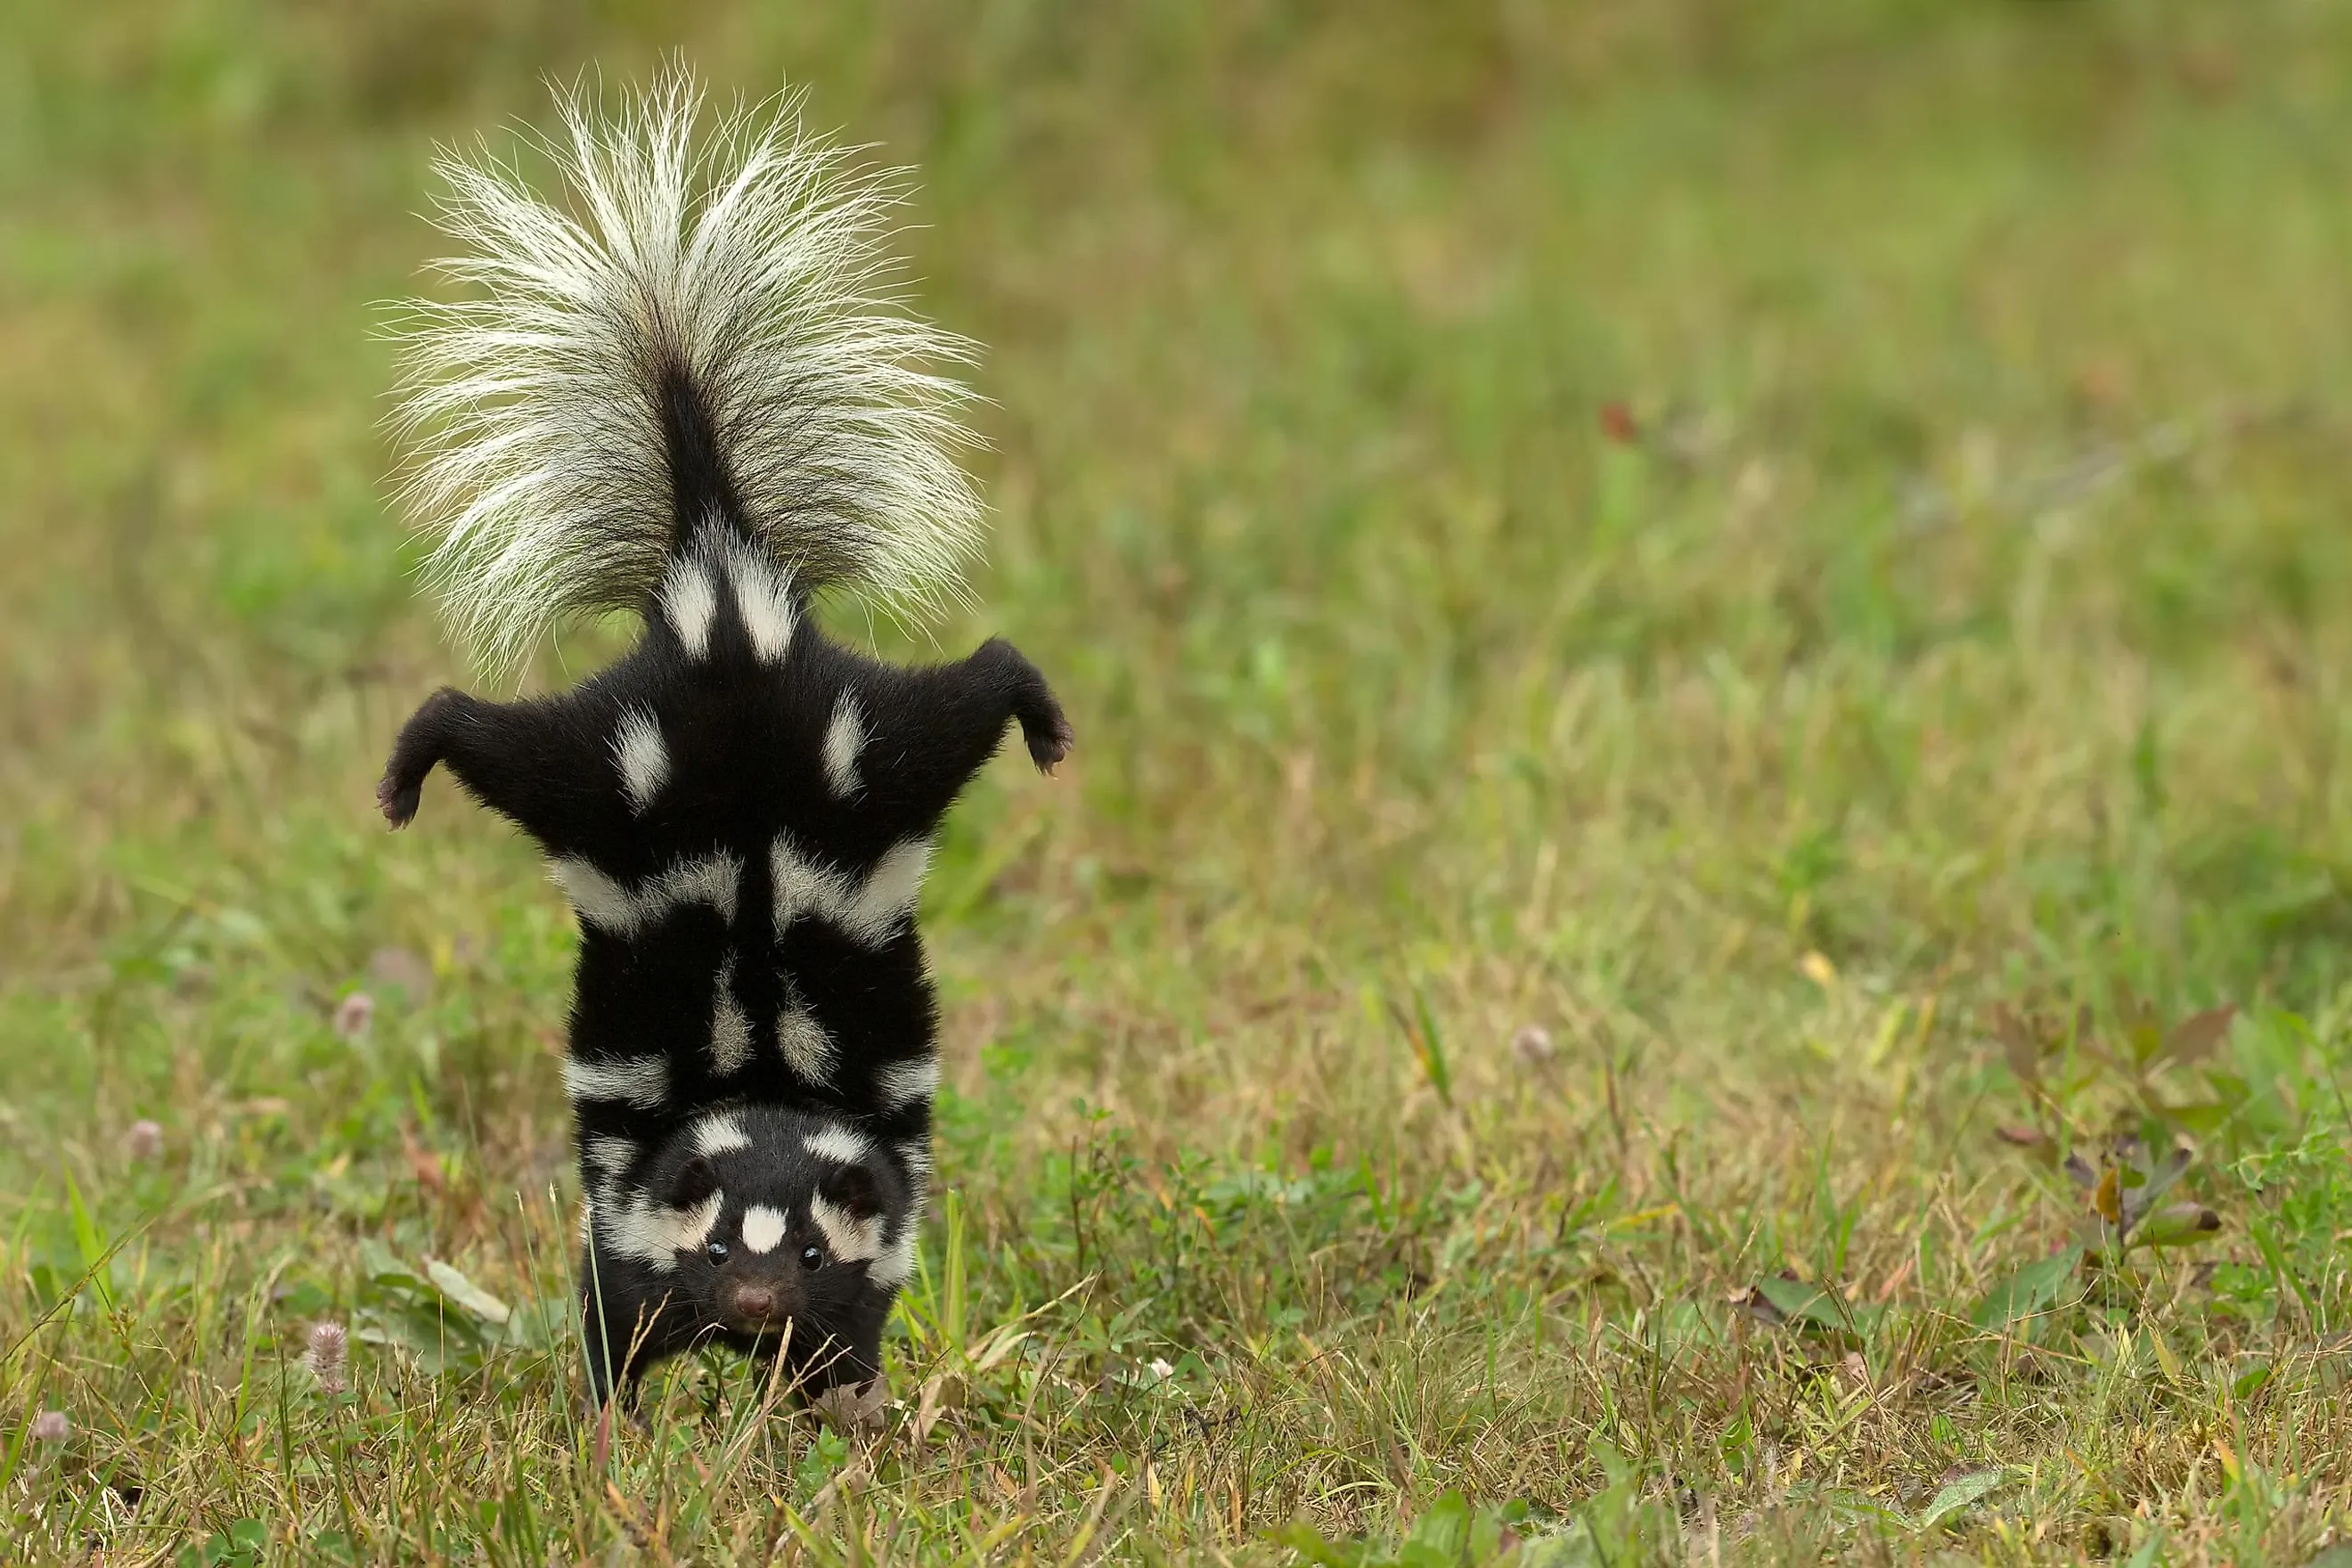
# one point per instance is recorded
(398, 804)
(1049, 735)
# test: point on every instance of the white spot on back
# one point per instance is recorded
(903, 1083)
(889, 895)
(611, 1156)
(868, 910)
(605, 904)
(641, 1081)
(690, 599)
(844, 739)
(730, 1026)
(641, 756)
(838, 1143)
(763, 599)
(763, 1227)
(846, 1237)
(720, 1135)
(806, 1049)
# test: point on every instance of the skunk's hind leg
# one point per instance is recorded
(923, 733)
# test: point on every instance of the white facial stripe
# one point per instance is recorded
(690, 599)
(763, 599)
(720, 1135)
(869, 910)
(896, 1263)
(641, 1081)
(604, 903)
(844, 739)
(730, 1026)
(903, 1083)
(838, 1143)
(849, 1238)
(807, 1049)
(643, 757)
(611, 1156)
(653, 1234)
(763, 1227)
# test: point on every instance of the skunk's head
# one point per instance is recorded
(762, 1217)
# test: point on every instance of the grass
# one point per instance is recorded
(1697, 631)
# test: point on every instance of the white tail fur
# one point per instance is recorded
(756, 269)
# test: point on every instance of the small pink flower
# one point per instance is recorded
(144, 1139)
(353, 1014)
(1533, 1044)
(328, 1347)
(51, 1427)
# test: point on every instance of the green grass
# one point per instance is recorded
(1799, 550)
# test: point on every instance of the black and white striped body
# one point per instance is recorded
(740, 811)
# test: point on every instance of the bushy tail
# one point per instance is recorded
(710, 333)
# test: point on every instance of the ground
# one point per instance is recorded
(1706, 639)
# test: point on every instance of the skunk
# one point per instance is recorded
(697, 401)
(774, 1231)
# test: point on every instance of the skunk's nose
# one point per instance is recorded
(753, 1303)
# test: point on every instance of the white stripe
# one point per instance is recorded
(844, 739)
(655, 1234)
(807, 1049)
(838, 1143)
(612, 1156)
(915, 1153)
(641, 1081)
(762, 1228)
(720, 1135)
(869, 909)
(763, 599)
(896, 1262)
(690, 599)
(903, 1083)
(641, 756)
(889, 896)
(604, 903)
(849, 1238)
(730, 1026)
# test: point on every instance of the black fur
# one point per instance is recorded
(823, 1314)
(744, 737)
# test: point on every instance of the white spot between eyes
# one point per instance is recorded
(690, 599)
(720, 1135)
(847, 1237)
(838, 1143)
(763, 1227)
(844, 739)
(903, 1083)
(641, 1081)
(643, 757)
(605, 904)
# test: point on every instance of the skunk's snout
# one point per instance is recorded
(755, 1302)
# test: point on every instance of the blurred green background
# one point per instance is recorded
(1736, 535)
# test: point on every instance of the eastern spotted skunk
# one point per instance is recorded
(767, 1230)
(697, 401)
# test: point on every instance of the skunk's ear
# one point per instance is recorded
(694, 1181)
(851, 1188)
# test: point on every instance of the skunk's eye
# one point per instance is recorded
(810, 1256)
(715, 1252)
